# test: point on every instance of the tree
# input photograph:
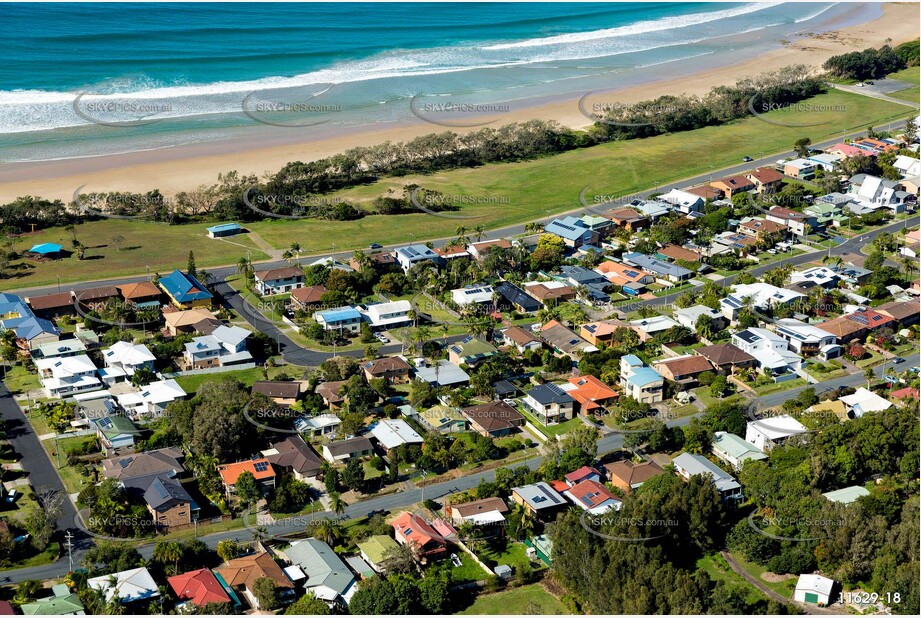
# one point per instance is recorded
(801, 146)
(354, 475)
(168, 553)
(247, 489)
(719, 387)
(307, 605)
(869, 375)
(228, 549)
(190, 266)
(266, 593)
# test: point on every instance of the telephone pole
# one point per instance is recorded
(69, 544)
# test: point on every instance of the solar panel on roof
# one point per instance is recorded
(261, 466)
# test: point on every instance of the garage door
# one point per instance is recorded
(812, 597)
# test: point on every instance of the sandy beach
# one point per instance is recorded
(183, 168)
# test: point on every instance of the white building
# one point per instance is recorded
(769, 432)
(813, 589)
(647, 328)
(769, 349)
(128, 356)
(874, 193)
(321, 425)
(407, 257)
(804, 339)
(151, 400)
(473, 295)
(392, 433)
(226, 345)
(683, 201)
(388, 315)
(820, 275)
(760, 295)
(863, 401)
(67, 375)
(126, 586)
(688, 317)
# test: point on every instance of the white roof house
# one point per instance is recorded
(128, 356)
(800, 335)
(771, 431)
(820, 275)
(683, 201)
(653, 325)
(67, 375)
(846, 495)
(443, 373)
(764, 295)
(768, 348)
(391, 433)
(127, 586)
(863, 401)
(909, 167)
(472, 295)
(813, 589)
(151, 399)
(688, 317)
(688, 465)
(383, 315)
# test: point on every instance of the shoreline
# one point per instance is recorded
(182, 168)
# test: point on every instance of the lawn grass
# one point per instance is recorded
(767, 389)
(533, 599)
(911, 94)
(159, 246)
(533, 189)
(703, 394)
(909, 75)
(469, 571)
(20, 380)
(192, 383)
(716, 568)
(784, 587)
(549, 430)
(514, 555)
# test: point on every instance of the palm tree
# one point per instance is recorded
(168, 552)
(461, 235)
(336, 503)
(479, 230)
(288, 256)
(326, 530)
(909, 264)
(549, 313)
(296, 248)
(869, 375)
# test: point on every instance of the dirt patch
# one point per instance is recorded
(773, 578)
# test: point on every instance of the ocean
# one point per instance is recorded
(88, 79)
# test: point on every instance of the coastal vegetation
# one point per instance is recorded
(873, 63)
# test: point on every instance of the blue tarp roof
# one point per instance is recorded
(223, 227)
(45, 248)
(340, 314)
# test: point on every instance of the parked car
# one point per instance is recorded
(382, 338)
(747, 159)
(897, 359)
(375, 245)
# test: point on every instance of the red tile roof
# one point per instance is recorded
(199, 587)
(591, 494)
(231, 472)
(591, 392)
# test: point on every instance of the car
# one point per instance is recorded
(510, 402)
(375, 245)
(381, 338)
(869, 82)
(772, 251)
(897, 359)
(747, 159)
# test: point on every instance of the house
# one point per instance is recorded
(690, 316)
(278, 280)
(31, 331)
(603, 331)
(769, 432)
(826, 160)
(852, 274)
(766, 180)
(657, 208)
(628, 476)
(65, 376)
(164, 462)
(706, 192)
(143, 295)
(827, 213)
(126, 587)
(600, 225)
(409, 256)
(428, 541)
(485, 512)
(814, 589)
(733, 185)
(444, 419)
(688, 465)
(62, 603)
(129, 357)
(473, 295)
(592, 496)
(573, 231)
(96, 298)
(804, 339)
(514, 297)
(550, 292)
(871, 320)
(378, 261)
(241, 574)
(493, 419)
(863, 401)
(185, 291)
(907, 396)
(847, 495)
(647, 328)
(875, 193)
(550, 403)
(734, 450)
(581, 474)
(51, 306)
(683, 201)
(443, 373)
(762, 228)
(376, 550)
(628, 219)
(296, 457)
(834, 408)
(539, 499)
(905, 313)
(392, 433)
(769, 349)
(340, 319)
(662, 270)
(346, 450)
(843, 329)
(581, 276)
(60, 349)
(226, 345)
(332, 393)
(639, 381)
(799, 168)
(169, 504)
(190, 322)
(676, 253)
(479, 250)
(762, 295)
(684, 370)
(306, 297)
(470, 351)
(452, 252)
(391, 368)
(388, 315)
(564, 340)
(224, 229)
(799, 223)
(591, 394)
(328, 577)
(521, 339)
(285, 394)
(261, 469)
(198, 587)
(151, 400)
(819, 275)
(319, 425)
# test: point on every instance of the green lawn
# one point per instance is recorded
(469, 571)
(190, 384)
(715, 566)
(549, 430)
(784, 587)
(767, 389)
(514, 555)
(159, 246)
(909, 76)
(703, 394)
(19, 380)
(533, 189)
(533, 599)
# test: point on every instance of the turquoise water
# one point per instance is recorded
(79, 80)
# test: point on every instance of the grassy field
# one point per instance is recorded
(909, 76)
(715, 566)
(531, 599)
(534, 190)
(190, 384)
(19, 380)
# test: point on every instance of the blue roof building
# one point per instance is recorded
(224, 229)
(185, 290)
(643, 376)
(573, 231)
(16, 315)
(46, 249)
(672, 272)
(339, 318)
